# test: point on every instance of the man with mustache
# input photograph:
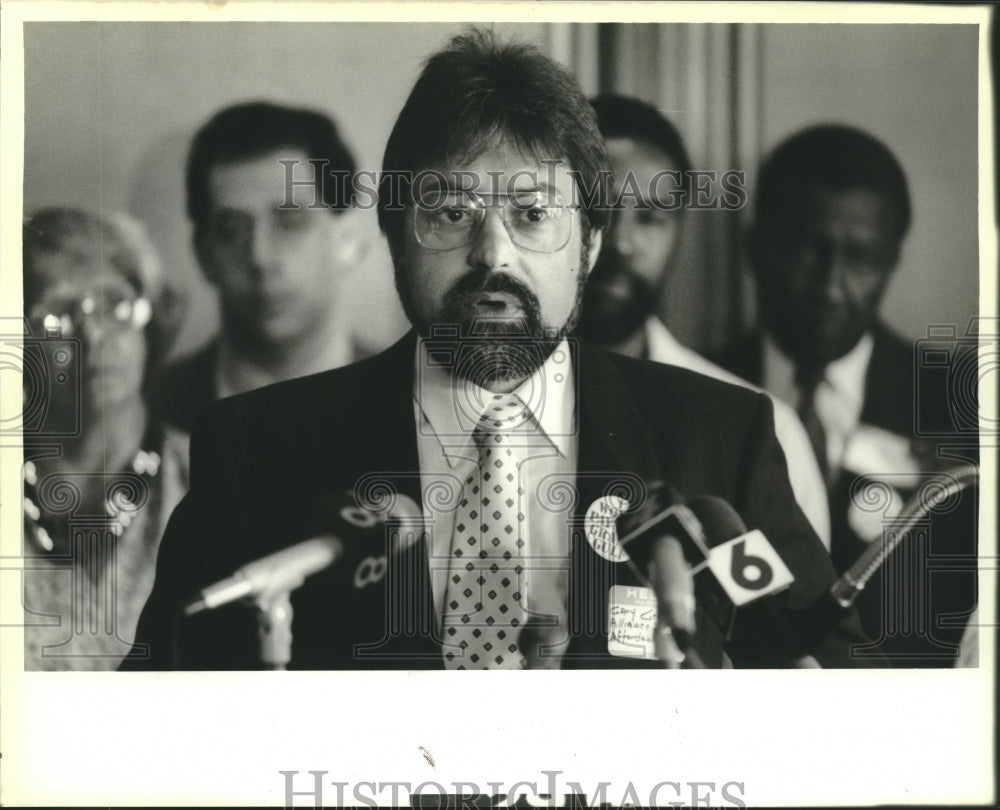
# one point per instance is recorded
(518, 443)
(627, 284)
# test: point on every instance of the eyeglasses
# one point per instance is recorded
(535, 220)
(113, 310)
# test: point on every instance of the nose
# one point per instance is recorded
(264, 248)
(91, 329)
(492, 248)
(832, 272)
(622, 234)
(95, 339)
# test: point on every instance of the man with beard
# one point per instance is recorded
(648, 157)
(519, 445)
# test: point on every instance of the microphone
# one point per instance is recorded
(702, 552)
(822, 616)
(745, 569)
(283, 570)
(655, 537)
(933, 493)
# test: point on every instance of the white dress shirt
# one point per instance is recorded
(447, 410)
(803, 470)
(839, 396)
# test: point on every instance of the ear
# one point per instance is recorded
(204, 256)
(596, 240)
(751, 248)
(350, 238)
(897, 254)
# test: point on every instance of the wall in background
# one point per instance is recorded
(915, 87)
(110, 109)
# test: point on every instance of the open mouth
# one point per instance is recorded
(495, 303)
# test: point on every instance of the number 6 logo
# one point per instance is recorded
(748, 568)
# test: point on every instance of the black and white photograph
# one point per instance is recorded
(640, 357)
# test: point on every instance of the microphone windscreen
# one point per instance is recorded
(774, 632)
(719, 520)
(661, 513)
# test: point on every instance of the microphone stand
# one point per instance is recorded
(274, 627)
(846, 589)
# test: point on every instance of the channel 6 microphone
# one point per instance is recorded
(732, 573)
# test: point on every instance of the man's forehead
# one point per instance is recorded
(500, 169)
(626, 152)
(642, 173)
(861, 207)
(265, 175)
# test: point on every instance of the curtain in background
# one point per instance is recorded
(705, 78)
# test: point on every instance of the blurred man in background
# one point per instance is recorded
(268, 194)
(832, 208)
(626, 286)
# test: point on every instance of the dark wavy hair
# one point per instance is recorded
(628, 117)
(249, 130)
(477, 92)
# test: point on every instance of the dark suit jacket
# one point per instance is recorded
(910, 397)
(187, 387)
(263, 460)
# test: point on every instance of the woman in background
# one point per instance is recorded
(101, 473)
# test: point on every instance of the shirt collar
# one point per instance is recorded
(450, 407)
(845, 375)
(660, 341)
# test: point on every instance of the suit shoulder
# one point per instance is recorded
(890, 343)
(185, 387)
(671, 398)
(320, 396)
(740, 356)
(662, 379)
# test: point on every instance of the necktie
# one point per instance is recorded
(483, 609)
(808, 381)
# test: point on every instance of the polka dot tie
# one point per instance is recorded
(483, 610)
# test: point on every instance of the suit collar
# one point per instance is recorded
(390, 437)
(744, 358)
(889, 383)
(612, 439)
(613, 436)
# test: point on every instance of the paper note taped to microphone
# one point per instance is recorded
(748, 568)
(631, 622)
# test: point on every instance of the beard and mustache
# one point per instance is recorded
(617, 301)
(492, 349)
